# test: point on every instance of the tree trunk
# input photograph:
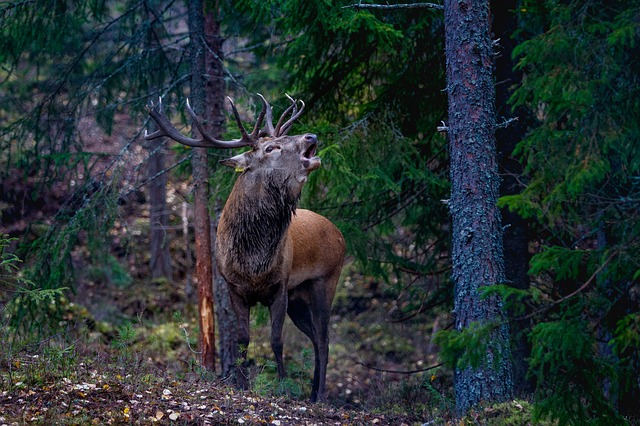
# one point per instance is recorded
(516, 233)
(227, 321)
(215, 122)
(204, 267)
(160, 257)
(160, 262)
(477, 252)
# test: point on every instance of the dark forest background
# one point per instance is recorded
(97, 224)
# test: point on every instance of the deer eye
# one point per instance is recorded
(270, 148)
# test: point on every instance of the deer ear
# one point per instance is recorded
(240, 162)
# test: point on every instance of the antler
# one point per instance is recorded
(281, 129)
(206, 141)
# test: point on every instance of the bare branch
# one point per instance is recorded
(442, 127)
(506, 123)
(361, 6)
(421, 370)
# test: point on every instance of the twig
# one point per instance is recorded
(506, 123)
(225, 69)
(568, 296)
(186, 335)
(422, 370)
(157, 175)
(395, 6)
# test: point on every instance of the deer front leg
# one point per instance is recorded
(241, 308)
(277, 312)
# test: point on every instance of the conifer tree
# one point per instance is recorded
(581, 156)
(67, 69)
(477, 253)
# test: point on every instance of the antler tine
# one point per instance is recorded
(269, 116)
(165, 128)
(206, 141)
(256, 128)
(294, 107)
(243, 131)
(294, 115)
(158, 133)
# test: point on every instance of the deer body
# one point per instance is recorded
(267, 250)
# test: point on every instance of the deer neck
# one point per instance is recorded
(258, 218)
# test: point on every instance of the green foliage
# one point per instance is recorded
(511, 413)
(570, 375)
(109, 270)
(75, 66)
(467, 348)
(11, 280)
(564, 263)
(627, 334)
(124, 340)
(294, 385)
(516, 300)
(52, 269)
(18, 292)
(581, 83)
(372, 83)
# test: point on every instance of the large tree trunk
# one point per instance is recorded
(215, 121)
(202, 223)
(477, 252)
(516, 233)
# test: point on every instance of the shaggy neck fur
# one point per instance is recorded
(261, 217)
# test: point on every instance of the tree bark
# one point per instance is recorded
(477, 251)
(215, 123)
(161, 266)
(204, 267)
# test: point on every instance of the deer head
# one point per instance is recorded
(287, 160)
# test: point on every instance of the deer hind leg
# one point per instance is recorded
(277, 311)
(241, 308)
(310, 310)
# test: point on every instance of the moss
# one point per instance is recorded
(511, 413)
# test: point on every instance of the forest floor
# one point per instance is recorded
(146, 372)
(90, 396)
(128, 355)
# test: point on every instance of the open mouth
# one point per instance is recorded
(311, 151)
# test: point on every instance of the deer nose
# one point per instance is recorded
(311, 138)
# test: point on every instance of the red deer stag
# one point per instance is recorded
(268, 251)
